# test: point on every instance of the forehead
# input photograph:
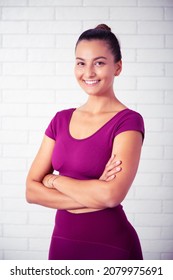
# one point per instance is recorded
(88, 49)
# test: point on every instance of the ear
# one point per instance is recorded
(118, 68)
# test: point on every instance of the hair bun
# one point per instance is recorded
(103, 27)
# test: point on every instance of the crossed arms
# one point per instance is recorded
(62, 192)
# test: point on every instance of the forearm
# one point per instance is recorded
(91, 193)
(37, 193)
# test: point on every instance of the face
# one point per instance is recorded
(95, 68)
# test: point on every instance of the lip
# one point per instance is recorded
(91, 82)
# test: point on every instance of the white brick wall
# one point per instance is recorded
(37, 39)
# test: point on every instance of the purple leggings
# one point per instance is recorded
(101, 235)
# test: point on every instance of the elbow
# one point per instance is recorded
(29, 196)
(29, 193)
(113, 197)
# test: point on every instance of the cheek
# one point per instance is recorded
(78, 73)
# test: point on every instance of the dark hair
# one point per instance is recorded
(103, 32)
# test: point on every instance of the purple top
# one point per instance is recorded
(86, 158)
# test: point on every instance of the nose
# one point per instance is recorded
(90, 71)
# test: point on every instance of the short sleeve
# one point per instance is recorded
(52, 129)
(131, 121)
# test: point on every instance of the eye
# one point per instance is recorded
(80, 63)
(99, 63)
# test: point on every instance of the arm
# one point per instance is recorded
(102, 194)
(35, 190)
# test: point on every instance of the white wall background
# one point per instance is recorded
(37, 40)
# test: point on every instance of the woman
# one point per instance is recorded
(81, 143)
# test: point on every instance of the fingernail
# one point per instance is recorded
(118, 168)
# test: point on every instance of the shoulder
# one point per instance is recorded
(130, 120)
(57, 122)
(63, 113)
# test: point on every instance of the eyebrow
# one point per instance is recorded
(99, 57)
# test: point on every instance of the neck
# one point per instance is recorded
(100, 104)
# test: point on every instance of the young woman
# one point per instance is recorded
(81, 143)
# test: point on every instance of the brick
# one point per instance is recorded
(154, 193)
(153, 111)
(25, 255)
(10, 55)
(168, 125)
(13, 218)
(13, 27)
(169, 69)
(118, 3)
(50, 55)
(155, 246)
(13, 243)
(166, 256)
(13, 191)
(27, 13)
(11, 137)
(150, 152)
(63, 70)
(154, 220)
(13, 3)
(12, 164)
(144, 206)
(66, 41)
(28, 41)
(45, 218)
(169, 13)
(29, 123)
(154, 124)
(149, 232)
(136, 13)
(157, 27)
(167, 232)
(169, 97)
(19, 151)
(27, 231)
(157, 165)
(82, 13)
(155, 83)
(52, 27)
(163, 55)
(169, 41)
(167, 207)
(141, 96)
(140, 69)
(41, 244)
(32, 69)
(13, 82)
(167, 179)
(29, 96)
(55, 3)
(168, 152)
(154, 179)
(155, 3)
(117, 26)
(13, 110)
(142, 41)
(58, 83)
(125, 83)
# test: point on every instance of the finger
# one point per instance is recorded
(111, 159)
(113, 165)
(114, 171)
(110, 178)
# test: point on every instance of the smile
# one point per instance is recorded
(91, 82)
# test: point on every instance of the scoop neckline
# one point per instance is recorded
(97, 131)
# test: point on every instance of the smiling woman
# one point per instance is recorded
(81, 144)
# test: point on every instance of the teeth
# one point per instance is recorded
(91, 82)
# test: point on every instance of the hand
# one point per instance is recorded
(48, 180)
(111, 169)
